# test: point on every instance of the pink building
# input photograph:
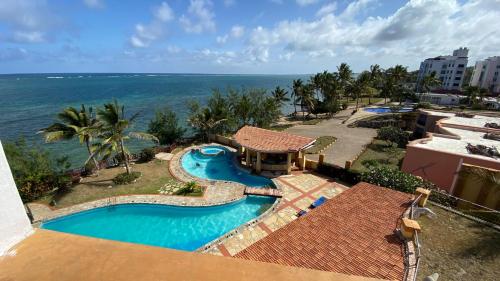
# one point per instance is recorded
(440, 154)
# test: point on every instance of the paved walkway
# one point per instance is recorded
(350, 141)
(299, 191)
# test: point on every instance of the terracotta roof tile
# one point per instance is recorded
(352, 233)
(270, 141)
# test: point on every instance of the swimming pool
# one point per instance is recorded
(379, 110)
(217, 163)
(181, 228)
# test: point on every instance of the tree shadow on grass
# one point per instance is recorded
(485, 246)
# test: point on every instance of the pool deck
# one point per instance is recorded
(49, 255)
(299, 190)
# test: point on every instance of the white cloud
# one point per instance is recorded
(29, 21)
(229, 3)
(221, 39)
(145, 34)
(164, 13)
(306, 2)
(237, 31)
(419, 29)
(327, 9)
(200, 17)
(94, 3)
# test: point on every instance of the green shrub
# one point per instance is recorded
(393, 135)
(337, 172)
(424, 105)
(147, 154)
(345, 105)
(368, 163)
(35, 172)
(125, 178)
(165, 126)
(462, 107)
(188, 188)
(392, 178)
(477, 106)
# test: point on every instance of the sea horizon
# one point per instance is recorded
(32, 101)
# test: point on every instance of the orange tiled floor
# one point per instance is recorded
(299, 191)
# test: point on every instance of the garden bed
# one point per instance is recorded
(379, 153)
(321, 144)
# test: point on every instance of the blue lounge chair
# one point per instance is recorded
(318, 202)
(301, 213)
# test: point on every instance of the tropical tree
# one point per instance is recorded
(203, 119)
(430, 81)
(375, 79)
(113, 126)
(280, 95)
(74, 123)
(297, 92)
(399, 74)
(360, 86)
(345, 77)
(472, 92)
(165, 126)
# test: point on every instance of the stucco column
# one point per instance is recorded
(258, 164)
(289, 163)
(303, 161)
(249, 162)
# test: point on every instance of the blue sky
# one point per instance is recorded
(239, 36)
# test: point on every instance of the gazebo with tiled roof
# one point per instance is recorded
(271, 150)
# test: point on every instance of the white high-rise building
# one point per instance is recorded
(486, 74)
(449, 69)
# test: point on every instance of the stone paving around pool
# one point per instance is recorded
(299, 190)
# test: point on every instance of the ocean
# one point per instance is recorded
(29, 102)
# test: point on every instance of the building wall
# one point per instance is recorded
(486, 74)
(450, 69)
(14, 223)
(481, 190)
(439, 167)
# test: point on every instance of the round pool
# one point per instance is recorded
(218, 163)
(182, 228)
(380, 110)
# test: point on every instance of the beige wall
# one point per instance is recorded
(439, 167)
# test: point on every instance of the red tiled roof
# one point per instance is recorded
(352, 233)
(270, 141)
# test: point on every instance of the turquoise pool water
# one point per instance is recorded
(386, 110)
(217, 163)
(182, 228)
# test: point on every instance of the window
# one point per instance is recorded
(458, 78)
(455, 84)
(459, 72)
(461, 65)
(443, 71)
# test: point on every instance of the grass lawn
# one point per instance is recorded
(281, 127)
(320, 144)
(365, 101)
(155, 174)
(380, 153)
(458, 248)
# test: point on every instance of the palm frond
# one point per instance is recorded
(143, 136)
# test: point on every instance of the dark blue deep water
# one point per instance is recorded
(30, 102)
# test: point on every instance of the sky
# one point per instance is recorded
(239, 36)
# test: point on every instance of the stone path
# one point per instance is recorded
(299, 191)
(350, 141)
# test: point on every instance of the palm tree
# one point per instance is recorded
(472, 92)
(205, 121)
(345, 77)
(360, 86)
(430, 81)
(375, 77)
(297, 92)
(74, 123)
(113, 125)
(280, 95)
(399, 74)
